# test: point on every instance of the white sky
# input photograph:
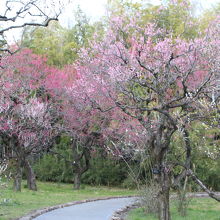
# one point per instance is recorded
(94, 9)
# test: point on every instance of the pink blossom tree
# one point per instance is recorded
(159, 81)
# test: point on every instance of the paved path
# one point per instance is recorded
(98, 210)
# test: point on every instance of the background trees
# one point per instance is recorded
(61, 45)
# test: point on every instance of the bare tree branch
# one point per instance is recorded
(44, 24)
(202, 185)
(19, 14)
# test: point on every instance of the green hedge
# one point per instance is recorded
(104, 170)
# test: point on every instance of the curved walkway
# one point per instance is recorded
(97, 210)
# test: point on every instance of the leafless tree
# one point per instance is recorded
(18, 14)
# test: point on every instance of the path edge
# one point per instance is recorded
(35, 213)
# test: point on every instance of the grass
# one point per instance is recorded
(15, 204)
(199, 209)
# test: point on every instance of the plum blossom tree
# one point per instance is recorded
(159, 81)
(89, 127)
(84, 125)
(28, 116)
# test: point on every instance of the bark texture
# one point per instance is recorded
(31, 178)
(17, 177)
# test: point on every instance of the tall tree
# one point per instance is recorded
(159, 81)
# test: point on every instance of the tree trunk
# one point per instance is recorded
(160, 146)
(164, 201)
(161, 176)
(17, 177)
(31, 179)
(81, 158)
(77, 180)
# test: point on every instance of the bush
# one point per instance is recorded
(129, 183)
(105, 171)
(51, 168)
(149, 198)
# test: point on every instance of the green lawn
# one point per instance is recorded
(199, 209)
(49, 194)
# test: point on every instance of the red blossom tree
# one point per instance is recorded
(28, 114)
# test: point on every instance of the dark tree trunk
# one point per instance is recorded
(31, 178)
(81, 158)
(79, 168)
(77, 180)
(17, 177)
(162, 171)
(164, 200)
(162, 178)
